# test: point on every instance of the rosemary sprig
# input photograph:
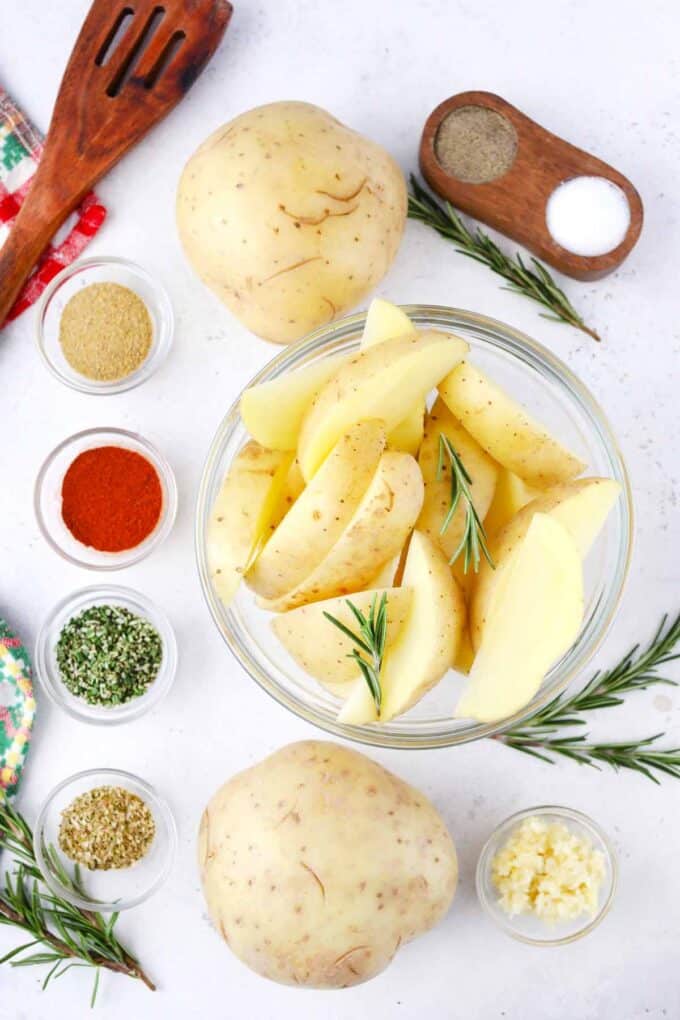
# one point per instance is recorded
(532, 281)
(540, 734)
(371, 641)
(69, 936)
(473, 540)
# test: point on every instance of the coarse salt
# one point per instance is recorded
(588, 215)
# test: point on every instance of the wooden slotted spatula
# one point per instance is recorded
(132, 62)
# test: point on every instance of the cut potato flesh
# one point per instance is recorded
(273, 411)
(321, 649)
(385, 321)
(536, 618)
(478, 464)
(292, 490)
(427, 644)
(376, 532)
(385, 578)
(240, 518)
(505, 430)
(465, 654)
(581, 507)
(321, 513)
(510, 495)
(376, 383)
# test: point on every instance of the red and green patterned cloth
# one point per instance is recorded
(20, 149)
(17, 709)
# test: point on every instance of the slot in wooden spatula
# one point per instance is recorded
(132, 62)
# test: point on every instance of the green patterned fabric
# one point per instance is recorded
(17, 709)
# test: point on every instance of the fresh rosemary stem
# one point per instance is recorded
(473, 540)
(370, 640)
(70, 936)
(541, 736)
(531, 281)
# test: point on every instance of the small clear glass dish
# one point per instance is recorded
(47, 499)
(557, 398)
(49, 674)
(105, 269)
(526, 927)
(117, 888)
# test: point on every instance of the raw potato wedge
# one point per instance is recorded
(505, 430)
(321, 649)
(321, 513)
(581, 507)
(376, 532)
(510, 495)
(240, 517)
(385, 321)
(376, 383)
(536, 618)
(478, 464)
(273, 411)
(427, 644)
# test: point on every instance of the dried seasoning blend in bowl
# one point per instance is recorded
(108, 656)
(105, 332)
(111, 498)
(107, 827)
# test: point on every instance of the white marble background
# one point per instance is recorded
(605, 75)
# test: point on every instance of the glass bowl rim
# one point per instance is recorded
(505, 827)
(170, 850)
(510, 340)
(168, 512)
(154, 358)
(95, 715)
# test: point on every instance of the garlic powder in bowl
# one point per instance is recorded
(547, 875)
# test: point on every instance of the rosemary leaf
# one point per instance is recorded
(370, 639)
(532, 281)
(473, 540)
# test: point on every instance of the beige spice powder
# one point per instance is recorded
(475, 144)
(105, 331)
(107, 827)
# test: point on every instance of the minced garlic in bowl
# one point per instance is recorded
(546, 870)
(547, 875)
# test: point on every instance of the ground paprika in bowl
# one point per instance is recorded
(104, 498)
(111, 498)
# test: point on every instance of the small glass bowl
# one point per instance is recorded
(104, 269)
(118, 888)
(47, 499)
(526, 927)
(48, 672)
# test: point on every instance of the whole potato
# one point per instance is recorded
(290, 217)
(317, 865)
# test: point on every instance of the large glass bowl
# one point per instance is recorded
(557, 398)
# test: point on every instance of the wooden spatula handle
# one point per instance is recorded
(37, 222)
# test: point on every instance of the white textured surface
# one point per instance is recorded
(605, 76)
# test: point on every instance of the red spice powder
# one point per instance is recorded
(111, 498)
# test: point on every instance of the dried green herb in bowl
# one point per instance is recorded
(108, 655)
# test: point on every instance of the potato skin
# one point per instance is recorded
(317, 865)
(290, 217)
